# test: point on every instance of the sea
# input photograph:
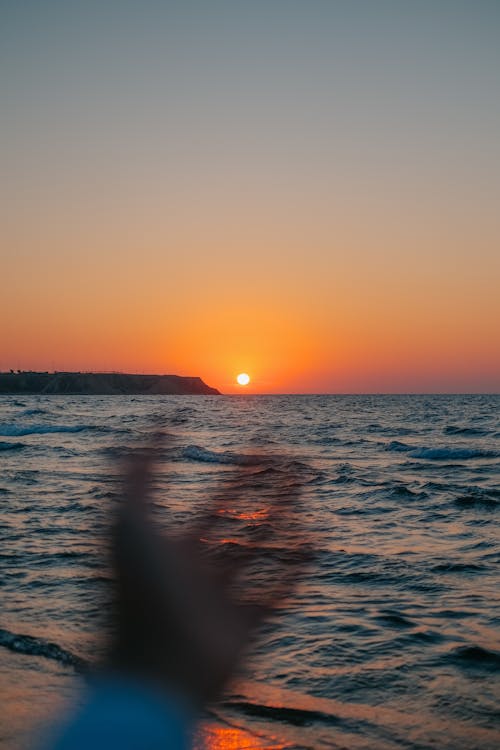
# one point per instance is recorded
(390, 638)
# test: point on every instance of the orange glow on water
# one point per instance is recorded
(214, 737)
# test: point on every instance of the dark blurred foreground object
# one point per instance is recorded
(187, 606)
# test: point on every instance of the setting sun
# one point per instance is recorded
(243, 378)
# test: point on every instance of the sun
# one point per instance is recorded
(243, 378)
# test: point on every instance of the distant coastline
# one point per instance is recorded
(102, 384)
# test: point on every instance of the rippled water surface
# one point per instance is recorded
(392, 638)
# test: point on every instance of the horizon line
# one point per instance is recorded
(17, 371)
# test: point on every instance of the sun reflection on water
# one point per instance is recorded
(216, 737)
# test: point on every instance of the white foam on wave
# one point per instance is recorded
(440, 453)
(396, 445)
(33, 646)
(197, 453)
(32, 412)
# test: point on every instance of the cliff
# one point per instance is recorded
(99, 384)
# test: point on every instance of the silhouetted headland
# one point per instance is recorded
(101, 384)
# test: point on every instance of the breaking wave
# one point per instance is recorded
(397, 446)
(28, 644)
(197, 453)
(439, 453)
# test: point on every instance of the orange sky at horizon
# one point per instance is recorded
(322, 213)
(368, 349)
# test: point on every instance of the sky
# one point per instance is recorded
(304, 191)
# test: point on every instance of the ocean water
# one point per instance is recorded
(391, 638)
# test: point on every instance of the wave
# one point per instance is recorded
(472, 431)
(299, 717)
(398, 447)
(327, 441)
(14, 430)
(439, 454)
(401, 491)
(478, 498)
(182, 415)
(394, 619)
(453, 454)
(197, 453)
(348, 474)
(28, 644)
(378, 428)
(475, 656)
(4, 446)
(457, 567)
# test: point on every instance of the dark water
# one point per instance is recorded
(392, 638)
